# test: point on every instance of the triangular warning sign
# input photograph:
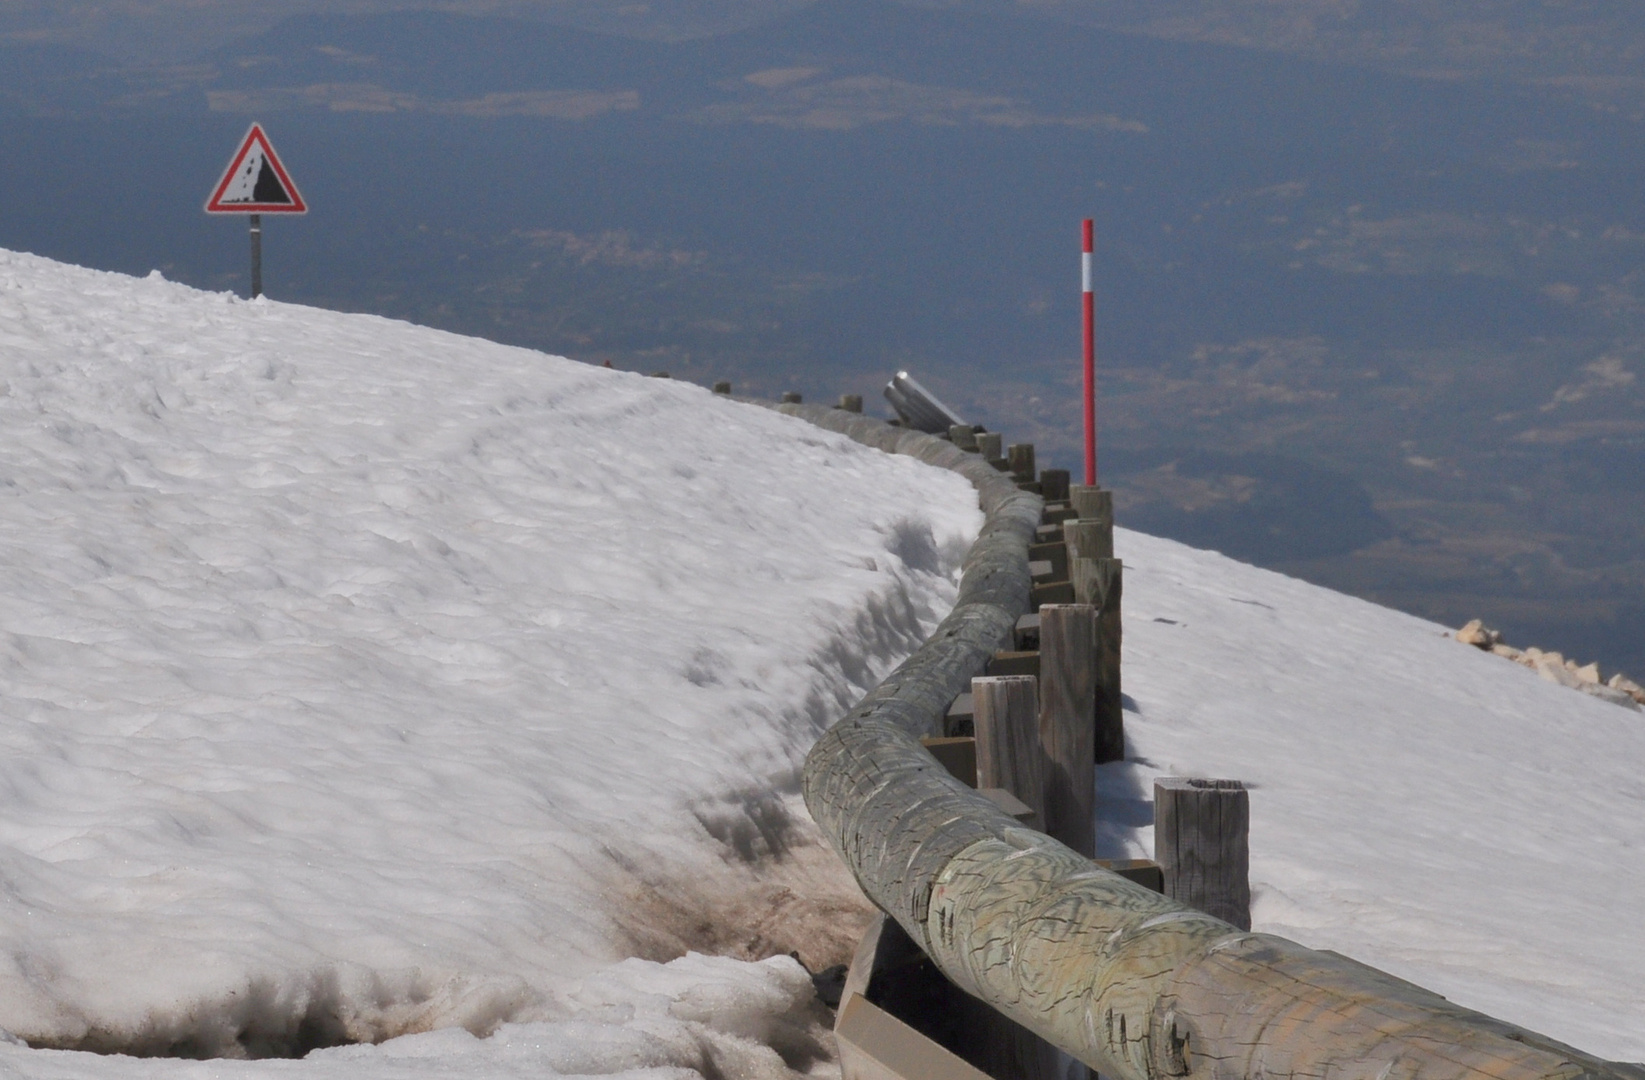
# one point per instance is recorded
(256, 182)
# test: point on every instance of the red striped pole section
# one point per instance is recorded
(1089, 315)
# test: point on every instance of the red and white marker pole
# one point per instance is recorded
(1089, 315)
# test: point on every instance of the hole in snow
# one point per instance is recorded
(913, 543)
(755, 825)
(257, 1022)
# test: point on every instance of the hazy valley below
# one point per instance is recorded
(1378, 329)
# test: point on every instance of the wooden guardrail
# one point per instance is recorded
(1133, 984)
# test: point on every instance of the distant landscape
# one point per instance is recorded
(1371, 287)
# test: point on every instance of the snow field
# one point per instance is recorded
(358, 679)
(1417, 804)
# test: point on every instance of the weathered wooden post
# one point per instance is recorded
(1088, 540)
(851, 402)
(1100, 583)
(1093, 503)
(1009, 756)
(722, 387)
(988, 445)
(963, 436)
(1068, 688)
(1097, 578)
(791, 397)
(1021, 457)
(1201, 842)
(1110, 734)
(1054, 485)
(1005, 713)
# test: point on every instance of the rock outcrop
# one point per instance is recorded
(1585, 678)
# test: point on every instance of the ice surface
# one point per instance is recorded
(1419, 805)
(358, 679)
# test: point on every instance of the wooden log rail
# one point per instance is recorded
(1135, 985)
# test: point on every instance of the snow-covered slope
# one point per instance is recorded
(1419, 805)
(358, 679)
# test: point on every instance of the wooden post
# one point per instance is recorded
(1005, 712)
(1088, 579)
(1201, 842)
(1110, 734)
(1054, 485)
(791, 397)
(963, 436)
(1009, 756)
(1068, 688)
(851, 402)
(722, 387)
(1088, 540)
(1093, 503)
(1021, 456)
(988, 445)
(1100, 583)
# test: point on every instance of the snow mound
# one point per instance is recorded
(1419, 805)
(360, 680)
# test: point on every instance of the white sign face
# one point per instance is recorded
(256, 182)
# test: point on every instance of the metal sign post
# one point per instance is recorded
(255, 184)
(256, 256)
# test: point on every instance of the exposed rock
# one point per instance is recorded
(1621, 682)
(1606, 693)
(1478, 635)
(1554, 671)
(1553, 667)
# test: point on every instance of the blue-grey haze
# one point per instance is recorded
(1376, 329)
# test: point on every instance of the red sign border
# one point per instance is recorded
(256, 137)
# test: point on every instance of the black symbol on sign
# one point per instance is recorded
(268, 188)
